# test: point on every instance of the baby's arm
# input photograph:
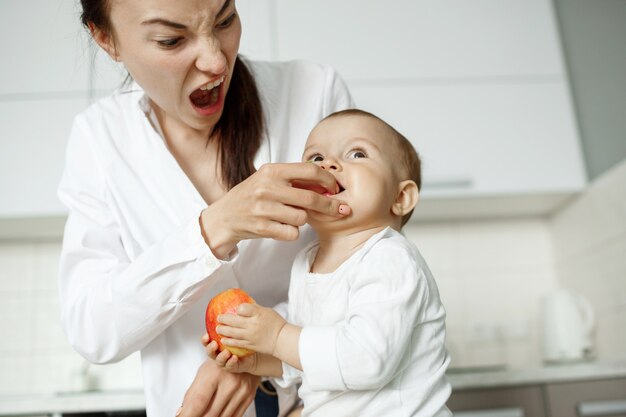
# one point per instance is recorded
(263, 330)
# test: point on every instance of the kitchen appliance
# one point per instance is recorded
(568, 321)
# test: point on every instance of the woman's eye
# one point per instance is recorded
(169, 43)
(227, 22)
(356, 154)
(316, 158)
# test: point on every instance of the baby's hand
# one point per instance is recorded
(210, 346)
(234, 363)
(227, 360)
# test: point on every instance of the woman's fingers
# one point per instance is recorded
(242, 398)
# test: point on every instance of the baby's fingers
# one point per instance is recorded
(232, 364)
(211, 349)
(205, 339)
(231, 320)
(222, 358)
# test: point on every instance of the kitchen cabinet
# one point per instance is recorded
(480, 88)
(587, 398)
(44, 51)
(34, 135)
(43, 84)
(551, 398)
(498, 402)
(429, 40)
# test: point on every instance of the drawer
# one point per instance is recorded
(498, 402)
(589, 398)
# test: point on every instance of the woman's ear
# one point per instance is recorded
(104, 40)
(407, 198)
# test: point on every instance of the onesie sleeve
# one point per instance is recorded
(386, 299)
(112, 306)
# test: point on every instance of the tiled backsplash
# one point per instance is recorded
(491, 275)
(590, 255)
(34, 354)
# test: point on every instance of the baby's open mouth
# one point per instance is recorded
(341, 189)
(207, 95)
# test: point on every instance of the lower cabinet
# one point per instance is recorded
(587, 398)
(498, 402)
(606, 397)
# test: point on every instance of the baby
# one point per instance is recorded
(365, 329)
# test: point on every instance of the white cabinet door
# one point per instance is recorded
(33, 137)
(478, 86)
(491, 139)
(258, 38)
(408, 39)
(44, 50)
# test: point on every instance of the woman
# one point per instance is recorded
(166, 205)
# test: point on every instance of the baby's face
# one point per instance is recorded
(359, 151)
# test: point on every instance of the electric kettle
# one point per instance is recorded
(568, 322)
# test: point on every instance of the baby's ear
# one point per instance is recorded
(406, 199)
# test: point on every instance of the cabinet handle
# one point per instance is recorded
(601, 408)
(494, 412)
(453, 183)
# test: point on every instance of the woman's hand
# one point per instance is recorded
(216, 392)
(269, 204)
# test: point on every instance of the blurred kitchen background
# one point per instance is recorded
(518, 108)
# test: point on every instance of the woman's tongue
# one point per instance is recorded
(204, 98)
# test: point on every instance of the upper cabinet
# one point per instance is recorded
(44, 82)
(479, 87)
(44, 49)
(422, 39)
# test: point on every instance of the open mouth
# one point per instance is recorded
(208, 95)
(341, 190)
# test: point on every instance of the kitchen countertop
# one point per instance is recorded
(72, 402)
(75, 402)
(541, 375)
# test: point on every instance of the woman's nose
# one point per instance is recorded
(210, 57)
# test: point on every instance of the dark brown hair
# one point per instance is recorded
(410, 160)
(241, 126)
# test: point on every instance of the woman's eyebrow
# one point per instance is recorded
(224, 7)
(164, 22)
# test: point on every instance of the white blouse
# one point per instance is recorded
(135, 272)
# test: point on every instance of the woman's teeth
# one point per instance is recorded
(213, 84)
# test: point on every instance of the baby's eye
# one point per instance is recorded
(356, 154)
(316, 158)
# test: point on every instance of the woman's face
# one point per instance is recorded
(181, 52)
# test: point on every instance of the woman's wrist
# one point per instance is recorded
(216, 236)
